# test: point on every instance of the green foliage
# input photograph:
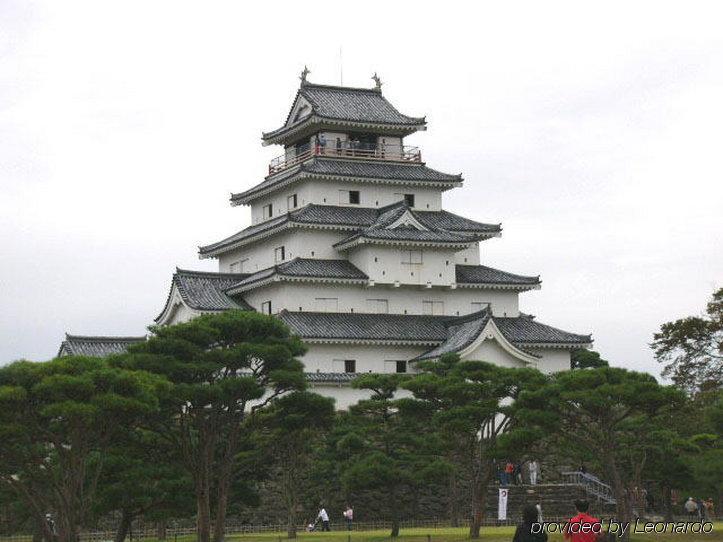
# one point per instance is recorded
(692, 348)
(222, 368)
(57, 421)
(385, 445)
(586, 359)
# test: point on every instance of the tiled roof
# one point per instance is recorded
(403, 233)
(454, 332)
(304, 267)
(94, 346)
(336, 378)
(525, 330)
(362, 326)
(351, 169)
(481, 274)
(460, 335)
(347, 104)
(205, 291)
(352, 217)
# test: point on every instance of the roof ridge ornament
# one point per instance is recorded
(306, 71)
(377, 82)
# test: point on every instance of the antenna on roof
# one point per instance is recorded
(341, 69)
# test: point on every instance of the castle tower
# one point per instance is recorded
(350, 246)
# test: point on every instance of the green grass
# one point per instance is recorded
(489, 534)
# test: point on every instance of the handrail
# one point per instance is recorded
(396, 153)
(592, 485)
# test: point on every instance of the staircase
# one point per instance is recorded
(592, 484)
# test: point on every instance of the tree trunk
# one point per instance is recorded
(479, 497)
(123, 527)
(623, 502)
(453, 508)
(161, 529)
(219, 528)
(291, 524)
(667, 503)
(203, 512)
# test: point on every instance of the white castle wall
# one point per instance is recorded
(389, 264)
(305, 296)
(298, 242)
(336, 193)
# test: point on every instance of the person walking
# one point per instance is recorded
(518, 474)
(691, 508)
(709, 508)
(324, 517)
(525, 531)
(348, 517)
(534, 470)
(574, 529)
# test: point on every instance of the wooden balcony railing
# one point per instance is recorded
(394, 153)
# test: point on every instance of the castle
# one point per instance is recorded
(349, 245)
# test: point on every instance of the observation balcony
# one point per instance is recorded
(392, 153)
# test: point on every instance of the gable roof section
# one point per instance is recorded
(348, 105)
(349, 218)
(205, 291)
(355, 170)
(302, 268)
(95, 346)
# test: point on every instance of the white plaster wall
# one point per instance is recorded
(553, 359)
(301, 296)
(468, 256)
(327, 193)
(346, 396)
(298, 242)
(491, 351)
(369, 358)
(384, 264)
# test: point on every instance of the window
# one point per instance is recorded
(266, 307)
(409, 199)
(292, 202)
(378, 306)
(238, 267)
(327, 304)
(354, 197)
(411, 256)
(350, 366)
(434, 308)
(279, 254)
(395, 366)
(267, 211)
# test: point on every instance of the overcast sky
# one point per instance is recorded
(593, 135)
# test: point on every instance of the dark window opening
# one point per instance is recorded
(409, 199)
(354, 196)
(350, 366)
(401, 366)
(266, 307)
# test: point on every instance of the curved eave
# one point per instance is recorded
(558, 345)
(356, 241)
(500, 286)
(246, 198)
(291, 278)
(315, 121)
(388, 342)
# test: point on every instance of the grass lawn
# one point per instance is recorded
(489, 534)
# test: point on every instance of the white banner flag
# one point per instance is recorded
(502, 504)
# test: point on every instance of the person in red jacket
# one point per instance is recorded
(583, 527)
